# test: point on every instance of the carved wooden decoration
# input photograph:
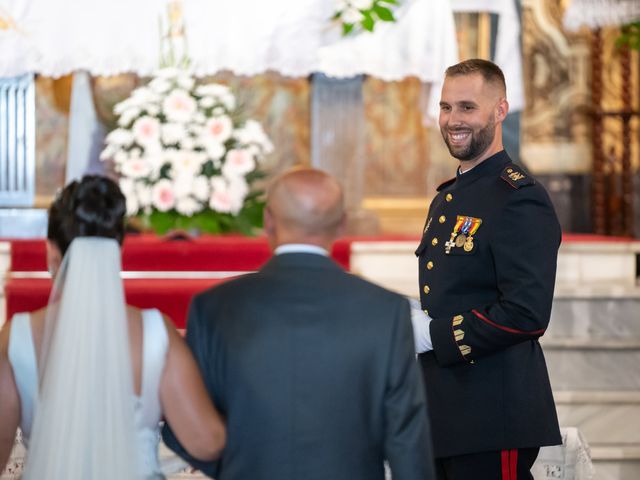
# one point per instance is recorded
(598, 198)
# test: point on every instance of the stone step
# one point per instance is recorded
(605, 418)
(609, 315)
(616, 470)
(609, 421)
(616, 462)
(590, 343)
(601, 263)
(600, 397)
(593, 369)
(615, 452)
(582, 363)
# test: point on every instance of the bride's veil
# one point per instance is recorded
(84, 421)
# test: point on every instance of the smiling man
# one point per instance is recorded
(487, 264)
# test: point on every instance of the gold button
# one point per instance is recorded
(509, 170)
(449, 197)
(429, 265)
(426, 312)
(442, 219)
(426, 289)
(434, 242)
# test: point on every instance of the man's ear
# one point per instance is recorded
(502, 108)
(268, 222)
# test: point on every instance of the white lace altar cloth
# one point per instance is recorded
(569, 461)
(293, 37)
(600, 13)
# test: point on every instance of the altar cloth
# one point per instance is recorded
(158, 272)
(170, 296)
(152, 253)
(293, 37)
(164, 273)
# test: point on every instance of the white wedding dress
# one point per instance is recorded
(147, 409)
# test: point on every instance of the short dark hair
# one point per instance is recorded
(489, 71)
(92, 207)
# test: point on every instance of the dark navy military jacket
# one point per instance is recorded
(487, 263)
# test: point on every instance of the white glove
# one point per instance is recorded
(420, 322)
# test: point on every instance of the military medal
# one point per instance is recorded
(468, 244)
(450, 244)
(462, 235)
(456, 231)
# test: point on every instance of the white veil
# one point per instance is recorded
(84, 421)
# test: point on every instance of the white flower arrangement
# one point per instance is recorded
(363, 14)
(185, 159)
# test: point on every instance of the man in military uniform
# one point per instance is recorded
(487, 263)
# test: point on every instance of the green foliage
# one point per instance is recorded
(248, 221)
(630, 36)
(380, 10)
(368, 21)
(347, 28)
(383, 13)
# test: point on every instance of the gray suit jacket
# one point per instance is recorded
(314, 371)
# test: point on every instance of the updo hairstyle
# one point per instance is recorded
(92, 207)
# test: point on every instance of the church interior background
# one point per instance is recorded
(578, 132)
(402, 158)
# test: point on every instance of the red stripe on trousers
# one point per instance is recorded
(513, 464)
(504, 457)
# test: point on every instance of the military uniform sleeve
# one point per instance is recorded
(524, 246)
(407, 437)
(195, 339)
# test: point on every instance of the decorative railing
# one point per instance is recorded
(17, 141)
(612, 198)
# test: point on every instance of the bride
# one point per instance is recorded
(88, 378)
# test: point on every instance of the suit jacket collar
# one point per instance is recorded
(300, 260)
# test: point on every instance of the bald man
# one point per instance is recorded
(313, 368)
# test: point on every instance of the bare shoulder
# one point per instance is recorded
(175, 338)
(134, 313)
(4, 340)
(38, 317)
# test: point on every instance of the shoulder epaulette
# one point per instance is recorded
(516, 176)
(446, 184)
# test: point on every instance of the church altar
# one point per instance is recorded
(158, 272)
(165, 273)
